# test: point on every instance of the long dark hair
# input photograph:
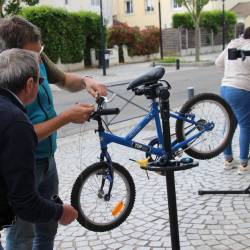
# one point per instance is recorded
(247, 33)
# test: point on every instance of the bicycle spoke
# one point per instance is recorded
(101, 212)
(208, 111)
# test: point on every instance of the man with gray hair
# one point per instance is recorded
(19, 80)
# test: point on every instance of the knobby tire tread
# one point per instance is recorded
(77, 188)
(187, 107)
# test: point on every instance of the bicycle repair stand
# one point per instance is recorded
(168, 165)
(245, 191)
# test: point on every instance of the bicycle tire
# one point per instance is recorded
(218, 103)
(83, 217)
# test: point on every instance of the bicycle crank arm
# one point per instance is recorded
(177, 167)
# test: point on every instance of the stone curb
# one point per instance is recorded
(185, 64)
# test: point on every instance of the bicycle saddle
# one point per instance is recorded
(147, 79)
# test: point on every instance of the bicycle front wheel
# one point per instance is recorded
(96, 212)
(206, 108)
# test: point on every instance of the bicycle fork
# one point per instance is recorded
(107, 175)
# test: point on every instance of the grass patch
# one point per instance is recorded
(168, 60)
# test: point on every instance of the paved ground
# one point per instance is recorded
(206, 79)
(126, 72)
(205, 222)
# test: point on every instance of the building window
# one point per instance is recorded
(176, 5)
(66, 2)
(128, 6)
(149, 5)
(95, 2)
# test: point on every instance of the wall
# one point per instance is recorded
(229, 4)
(113, 57)
(71, 66)
(247, 21)
(141, 19)
(203, 50)
(136, 59)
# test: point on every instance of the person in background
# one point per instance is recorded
(235, 89)
(19, 80)
(17, 32)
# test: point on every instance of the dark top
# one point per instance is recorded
(17, 161)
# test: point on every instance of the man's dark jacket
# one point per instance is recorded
(18, 140)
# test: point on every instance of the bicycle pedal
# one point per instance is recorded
(142, 163)
(186, 160)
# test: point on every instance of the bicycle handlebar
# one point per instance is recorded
(56, 199)
(114, 111)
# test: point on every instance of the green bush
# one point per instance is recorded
(91, 23)
(182, 20)
(66, 35)
(210, 20)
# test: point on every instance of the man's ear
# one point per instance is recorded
(29, 86)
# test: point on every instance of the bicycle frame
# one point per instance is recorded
(127, 141)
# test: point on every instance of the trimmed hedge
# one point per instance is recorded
(66, 35)
(182, 20)
(91, 22)
(211, 20)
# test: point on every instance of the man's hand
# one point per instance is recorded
(79, 113)
(94, 87)
(69, 215)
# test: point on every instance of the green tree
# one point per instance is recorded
(14, 6)
(194, 8)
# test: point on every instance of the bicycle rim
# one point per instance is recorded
(94, 208)
(210, 141)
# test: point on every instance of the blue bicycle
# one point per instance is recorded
(104, 193)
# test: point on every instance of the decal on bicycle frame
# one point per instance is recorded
(140, 146)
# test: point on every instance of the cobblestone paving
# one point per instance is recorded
(205, 222)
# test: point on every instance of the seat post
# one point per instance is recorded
(165, 115)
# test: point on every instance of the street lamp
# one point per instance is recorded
(223, 24)
(102, 42)
(161, 47)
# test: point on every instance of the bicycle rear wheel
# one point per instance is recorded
(88, 197)
(206, 107)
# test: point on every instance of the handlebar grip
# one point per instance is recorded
(114, 111)
(56, 199)
(139, 92)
